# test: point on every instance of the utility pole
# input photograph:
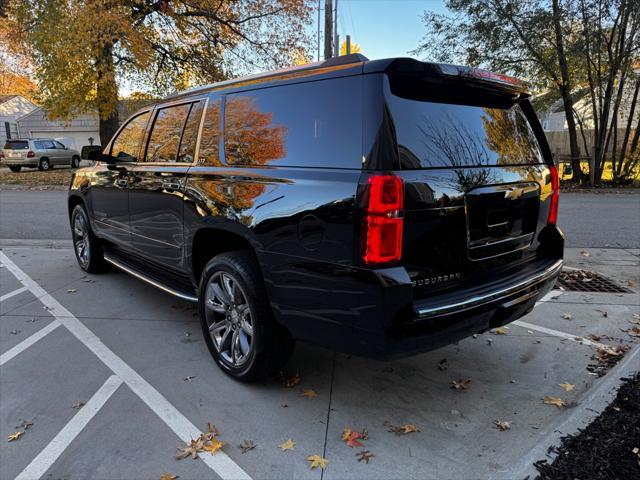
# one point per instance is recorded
(336, 38)
(328, 30)
(348, 52)
(319, 8)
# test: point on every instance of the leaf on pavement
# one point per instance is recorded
(499, 331)
(78, 405)
(364, 456)
(25, 425)
(288, 445)
(460, 384)
(567, 316)
(14, 436)
(352, 437)
(317, 461)
(292, 381)
(502, 425)
(72, 290)
(168, 476)
(402, 429)
(558, 402)
(567, 386)
(633, 331)
(584, 253)
(309, 393)
(192, 449)
(246, 446)
(213, 445)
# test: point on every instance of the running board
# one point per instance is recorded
(150, 281)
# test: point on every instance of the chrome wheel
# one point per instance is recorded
(228, 318)
(81, 239)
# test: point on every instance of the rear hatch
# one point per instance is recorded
(15, 149)
(476, 186)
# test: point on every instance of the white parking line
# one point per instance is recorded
(26, 343)
(220, 463)
(557, 333)
(63, 439)
(6, 296)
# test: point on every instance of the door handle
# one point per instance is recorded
(171, 185)
(121, 182)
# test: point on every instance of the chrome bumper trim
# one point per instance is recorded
(183, 296)
(546, 274)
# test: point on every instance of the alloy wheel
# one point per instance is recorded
(229, 318)
(81, 239)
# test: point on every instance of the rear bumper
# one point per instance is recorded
(23, 162)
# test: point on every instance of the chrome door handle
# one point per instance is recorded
(121, 182)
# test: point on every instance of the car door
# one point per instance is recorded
(109, 193)
(156, 188)
(62, 155)
(47, 149)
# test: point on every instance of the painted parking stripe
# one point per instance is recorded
(220, 463)
(6, 296)
(557, 333)
(26, 343)
(48, 456)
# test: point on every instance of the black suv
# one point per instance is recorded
(380, 208)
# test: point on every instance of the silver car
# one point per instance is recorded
(40, 153)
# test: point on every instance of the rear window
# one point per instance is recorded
(16, 145)
(313, 124)
(437, 131)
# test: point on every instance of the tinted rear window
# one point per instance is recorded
(436, 131)
(16, 145)
(314, 124)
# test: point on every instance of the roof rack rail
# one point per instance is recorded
(344, 59)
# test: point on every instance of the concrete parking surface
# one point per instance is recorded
(136, 360)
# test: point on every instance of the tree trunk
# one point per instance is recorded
(565, 92)
(107, 94)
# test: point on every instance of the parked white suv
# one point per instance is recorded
(41, 153)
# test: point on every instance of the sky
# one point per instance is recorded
(383, 28)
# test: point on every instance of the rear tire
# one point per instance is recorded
(15, 168)
(75, 161)
(44, 164)
(86, 245)
(237, 321)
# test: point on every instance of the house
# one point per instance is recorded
(12, 107)
(76, 132)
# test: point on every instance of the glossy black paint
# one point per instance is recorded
(303, 224)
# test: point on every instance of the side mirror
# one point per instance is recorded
(92, 154)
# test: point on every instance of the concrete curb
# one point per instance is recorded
(40, 243)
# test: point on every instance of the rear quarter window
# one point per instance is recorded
(16, 145)
(314, 124)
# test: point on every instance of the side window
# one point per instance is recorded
(313, 124)
(126, 145)
(187, 151)
(58, 145)
(210, 140)
(38, 144)
(48, 144)
(165, 134)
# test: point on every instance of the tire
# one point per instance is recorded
(267, 348)
(75, 161)
(15, 168)
(86, 245)
(44, 164)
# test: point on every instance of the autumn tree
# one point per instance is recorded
(83, 50)
(354, 48)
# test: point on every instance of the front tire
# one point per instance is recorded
(75, 161)
(44, 164)
(86, 245)
(237, 321)
(15, 168)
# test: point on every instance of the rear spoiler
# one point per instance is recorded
(410, 66)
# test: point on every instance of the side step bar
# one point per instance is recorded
(150, 281)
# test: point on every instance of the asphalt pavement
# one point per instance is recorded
(608, 220)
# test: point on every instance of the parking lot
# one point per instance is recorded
(114, 376)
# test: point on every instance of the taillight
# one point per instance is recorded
(31, 154)
(383, 223)
(1, 154)
(555, 185)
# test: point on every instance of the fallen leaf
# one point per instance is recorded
(603, 312)
(442, 365)
(631, 283)
(15, 436)
(192, 449)
(15, 332)
(288, 445)
(78, 405)
(584, 253)
(567, 386)
(633, 331)
(189, 378)
(211, 429)
(309, 393)
(213, 445)
(604, 353)
(502, 425)
(72, 290)
(364, 455)
(168, 476)
(292, 381)
(246, 446)
(409, 428)
(567, 316)
(25, 425)
(558, 402)
(317, 461)
(499, 331)
(594, 338)
(402, 429)
(460, 384)
(352, 437)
